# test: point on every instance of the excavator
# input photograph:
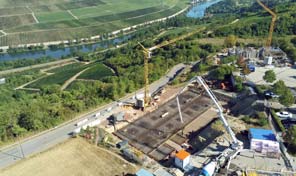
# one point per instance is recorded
(225, 157)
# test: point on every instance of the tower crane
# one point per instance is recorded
(271, 28)
(148, 54)
(236, 145)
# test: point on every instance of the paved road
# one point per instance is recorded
(14, 70)
(48, 139)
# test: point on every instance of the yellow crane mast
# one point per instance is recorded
(271, 28)
(147, 56)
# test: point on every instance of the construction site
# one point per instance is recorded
(161, 132)
(188, 128)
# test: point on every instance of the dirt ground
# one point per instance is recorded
(76, 157)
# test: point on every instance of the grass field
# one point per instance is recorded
(96, 72)
(65, 19)
(75, 157)
(54, 16)
(60, 76)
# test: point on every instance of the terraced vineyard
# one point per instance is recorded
(60, 76)
(31, 21)
(96, 72)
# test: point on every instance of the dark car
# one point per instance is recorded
(270, 94)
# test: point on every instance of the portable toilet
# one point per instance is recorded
(182, 159)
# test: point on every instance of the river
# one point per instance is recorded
(197, 11)
(63, 52)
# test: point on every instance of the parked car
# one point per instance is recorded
(284, 114)
(270, 94)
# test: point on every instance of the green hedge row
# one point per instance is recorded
(278, 121)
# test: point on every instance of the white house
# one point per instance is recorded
(264, 141)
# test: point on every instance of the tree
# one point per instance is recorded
(230, 41)
(239, 84)
(269, 76)
(290, 138)
(222, 71)
(286, 96)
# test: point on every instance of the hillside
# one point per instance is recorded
(42, 21)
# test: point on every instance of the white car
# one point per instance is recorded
(284, 114)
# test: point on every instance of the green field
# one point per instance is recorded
(67, 19)
(60, 76)
(54, 16)
(96, 72)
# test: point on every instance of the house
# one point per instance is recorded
(182, 159)
(264, 141)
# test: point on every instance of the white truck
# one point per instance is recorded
(81, 122)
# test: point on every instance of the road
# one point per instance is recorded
(44, 141)
(59, 62)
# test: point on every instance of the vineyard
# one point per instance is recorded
(43, 21)
(60, 76)
(96, 72)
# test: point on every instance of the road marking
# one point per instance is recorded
(33, 14)
(69, 11)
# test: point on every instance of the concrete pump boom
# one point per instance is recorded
(235, 143)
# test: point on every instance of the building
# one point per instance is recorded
(274, 56)
(182, 159)
(143, 172)
(264, 141)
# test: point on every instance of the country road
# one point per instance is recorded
(50, 138)
(14, 70)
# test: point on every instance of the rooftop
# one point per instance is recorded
(143, 172)
(161, 172)
(262, 134)
(182, 154)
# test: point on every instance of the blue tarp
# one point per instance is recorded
(262, 134)
(143, 172)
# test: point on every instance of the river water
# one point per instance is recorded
(63, 52)
(197, 11)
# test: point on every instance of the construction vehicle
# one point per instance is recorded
(148, 54)
(229, 153)
(271, 28)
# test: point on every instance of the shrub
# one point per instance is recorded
(246, 119)
(277, 121)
